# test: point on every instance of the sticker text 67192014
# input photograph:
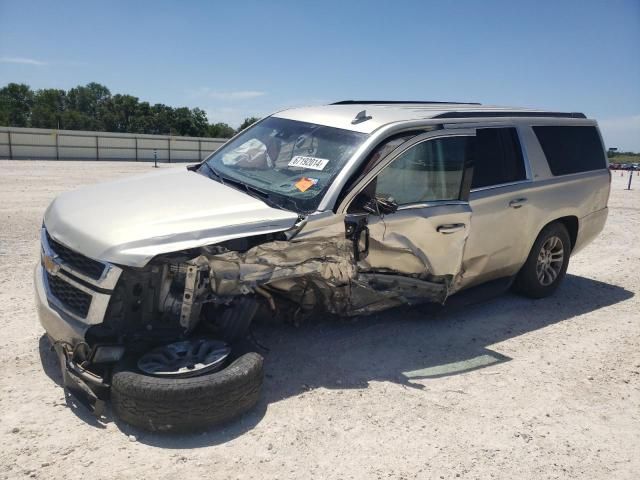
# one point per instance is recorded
(312, 163)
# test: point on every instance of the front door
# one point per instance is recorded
(417, 249)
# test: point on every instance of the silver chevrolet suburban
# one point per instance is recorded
(147, 284)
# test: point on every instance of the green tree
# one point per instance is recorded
(247, 122)
(161, 119)
(48, 108)
(118, 113)
(89, 101)
(142, 121)
(200, 122)
(93, 107)
(74, 120)
(16, 101)
(187, 122)
(182, 122)
(220, 130)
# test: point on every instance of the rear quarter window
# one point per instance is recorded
(571, 149)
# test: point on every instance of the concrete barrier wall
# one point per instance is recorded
(45, 144)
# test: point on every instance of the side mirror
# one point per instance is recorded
(381, 205)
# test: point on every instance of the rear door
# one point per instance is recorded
(503, 211)
(424, 240)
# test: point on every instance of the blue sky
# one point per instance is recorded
(236, 59)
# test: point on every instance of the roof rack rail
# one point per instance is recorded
(462, 114)
(398, 102)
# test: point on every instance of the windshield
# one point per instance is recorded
(288, 163)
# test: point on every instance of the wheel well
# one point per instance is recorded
(571, 223)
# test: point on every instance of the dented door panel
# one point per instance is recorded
(408, 241)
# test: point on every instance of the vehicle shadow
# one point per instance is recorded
(49, 361)
(401, 346)
(409, 344)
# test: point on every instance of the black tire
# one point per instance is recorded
(186, 404)
(527, 282)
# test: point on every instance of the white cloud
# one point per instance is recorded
(229, 96)
(622, 133)
(232, 116)
(22, 61)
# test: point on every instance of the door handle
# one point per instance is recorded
(451, 228)
(517, 203)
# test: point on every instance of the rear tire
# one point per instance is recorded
(546, 264)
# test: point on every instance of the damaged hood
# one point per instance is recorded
(129, 221)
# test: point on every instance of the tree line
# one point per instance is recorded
(93, 107)
(613, 153)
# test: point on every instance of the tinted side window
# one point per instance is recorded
(429, 171)
(571, 149)
(498, 157)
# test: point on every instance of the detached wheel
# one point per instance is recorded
(169, 404)
(547, 263)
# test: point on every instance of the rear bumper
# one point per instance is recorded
(59, 327)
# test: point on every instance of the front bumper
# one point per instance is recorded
(65, 334)
(88, 388)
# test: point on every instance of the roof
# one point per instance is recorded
(343, 114)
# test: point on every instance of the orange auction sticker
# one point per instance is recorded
(304, 184)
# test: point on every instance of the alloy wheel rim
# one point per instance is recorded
(550, 261)
(185, 359)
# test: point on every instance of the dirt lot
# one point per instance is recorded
(507, 388)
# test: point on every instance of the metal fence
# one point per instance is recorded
(45, 144)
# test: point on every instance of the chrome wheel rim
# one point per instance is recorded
(185, 359)
(550, 261)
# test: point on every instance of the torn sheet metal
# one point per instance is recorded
(318, 268)
(322, 269)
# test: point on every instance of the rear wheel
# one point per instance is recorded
(547, 263)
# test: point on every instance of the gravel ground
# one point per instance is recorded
(506, 388)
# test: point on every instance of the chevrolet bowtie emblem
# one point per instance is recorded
(50, 264)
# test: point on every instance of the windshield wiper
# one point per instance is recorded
(254, 192)
(214, 172)
(251, 190)
(270, 200)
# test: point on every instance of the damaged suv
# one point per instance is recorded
(146, 284)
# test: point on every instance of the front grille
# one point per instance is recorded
(85, 265)
(72, 298)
